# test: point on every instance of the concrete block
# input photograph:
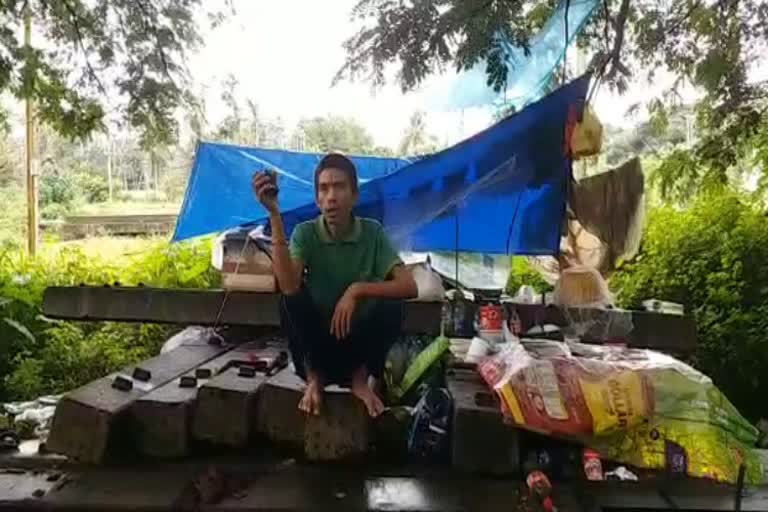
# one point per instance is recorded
(196, 307)
(481, 441)
(278, 417)
(162, 419)
(93, 421)
(225, 410)
(341, 431)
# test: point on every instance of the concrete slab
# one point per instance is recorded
(92, 422)
(480, 441)
(341, 431)
(673, 334)
(278, 417)
(225, 411)
(675, 494)
(196, 307)
(163, 418)
(20, 488)
(130, 488)
(349, 490)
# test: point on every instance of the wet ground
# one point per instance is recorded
(269, 483)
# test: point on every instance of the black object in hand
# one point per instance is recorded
(272, 192)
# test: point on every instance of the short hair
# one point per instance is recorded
(340, 162)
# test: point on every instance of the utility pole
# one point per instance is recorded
(31, 160)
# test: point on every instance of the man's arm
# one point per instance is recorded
(400, 285)
(288, 270)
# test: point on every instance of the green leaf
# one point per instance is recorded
(20, 328)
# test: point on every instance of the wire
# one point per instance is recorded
(227, 290)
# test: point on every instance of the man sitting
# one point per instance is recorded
(343, 316)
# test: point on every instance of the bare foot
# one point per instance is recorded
(363, 391)
(313, 395)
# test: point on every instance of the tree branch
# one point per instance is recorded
(619, 25)
(80, 43)
(153, 28)
(680, 21)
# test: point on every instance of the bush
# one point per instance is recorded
(55, 189)
(522, 273)
(38, 356)
(13, 215)
(78, 353)
(55, 211)
(712, 258)
(92, 187)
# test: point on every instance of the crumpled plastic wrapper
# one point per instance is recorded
(633, 406)
(37, 413)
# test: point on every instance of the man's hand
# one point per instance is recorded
(341, 323)
(264, 187)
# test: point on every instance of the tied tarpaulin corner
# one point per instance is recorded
(530, 70)
(502, 190)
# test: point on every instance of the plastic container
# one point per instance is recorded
(593, 467)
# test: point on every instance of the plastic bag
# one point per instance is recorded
(587, 138)
(428, 283)
(582, 287)
(636, 407)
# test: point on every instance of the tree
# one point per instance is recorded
(95, 52)
(416, 140)
(10, 159)
(333, 133)
(247, 126)
(708, 44)
(710, 257)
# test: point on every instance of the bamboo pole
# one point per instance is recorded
(32, 224)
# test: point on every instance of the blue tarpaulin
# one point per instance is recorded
(502, 190)
(529, 70)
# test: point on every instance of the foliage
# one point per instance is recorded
(92, 186)
(247, 126)
(711, 45)
(334, 133)
(126, 49)
(56, 189)
(522, 273)
(416, 140)
(74, 354)
(10, 162)
(39, 356)
(12, 216)
(711, 258)
(55, 211)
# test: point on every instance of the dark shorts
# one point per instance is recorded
(313, 346)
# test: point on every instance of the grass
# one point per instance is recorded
(127, 207)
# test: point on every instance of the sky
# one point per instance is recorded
(285, 54)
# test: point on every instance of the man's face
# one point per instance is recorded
(335, 195)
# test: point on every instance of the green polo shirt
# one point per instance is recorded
(364, 255)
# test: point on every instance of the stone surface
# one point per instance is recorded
(137, 488)
(480, 441)
(341, 431)
(225, 412)
(163, 418)
(92, 422)
(22, 487)
(278, 417)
